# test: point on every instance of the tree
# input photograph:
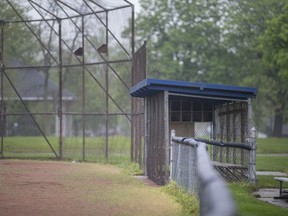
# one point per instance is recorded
(219, 42)
(16, 38)
(274, 45)
(249, 23)
(183, 37)
(15, 44)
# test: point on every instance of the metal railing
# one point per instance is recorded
(193, 171)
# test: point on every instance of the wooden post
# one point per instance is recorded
(146, 136)
(166, 134)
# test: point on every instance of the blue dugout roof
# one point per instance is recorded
(149, 87)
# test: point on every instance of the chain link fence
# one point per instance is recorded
(193, 170)
(63, 93)
(184, 171)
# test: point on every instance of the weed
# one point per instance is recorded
(189, 202)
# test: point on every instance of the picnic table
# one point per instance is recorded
(283, 194)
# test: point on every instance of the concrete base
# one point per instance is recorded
(268, 194)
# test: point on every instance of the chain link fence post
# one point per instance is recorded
(172, 157)
(252, 157)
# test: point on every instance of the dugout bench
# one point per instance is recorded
(283, 194)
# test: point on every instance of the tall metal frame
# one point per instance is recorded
(69, 12)
(1, 102)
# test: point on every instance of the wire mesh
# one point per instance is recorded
(184, 166)
(189, 159)
(228, 161)
(203, 130)
(231, 125)
(193, 172)
(64, 83)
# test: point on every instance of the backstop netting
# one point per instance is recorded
(65, 74)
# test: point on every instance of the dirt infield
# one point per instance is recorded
(65, 188)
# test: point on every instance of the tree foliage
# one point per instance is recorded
(16, 38)
(274, 45)
(251, 23)
(183, 33)
(230, 42)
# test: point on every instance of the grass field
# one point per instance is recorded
(249, 205)
(272, 146)
(95, 146)
(272, 163)
(94, 149)
(119, 153)
(266, 160)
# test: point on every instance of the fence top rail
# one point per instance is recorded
(215, 197)
(226, 144)
(186, 141)
(195, 142)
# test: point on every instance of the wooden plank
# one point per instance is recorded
(216, 163)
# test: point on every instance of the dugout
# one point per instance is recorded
(192, 109)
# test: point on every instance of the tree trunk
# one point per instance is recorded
(278, 123)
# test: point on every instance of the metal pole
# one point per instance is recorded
(252, 157)
(133, 100)
(60, 114)
(247, 127)
(107, 92)
(133, 30)
(2, 110)
(249, 116)
(173, 134)
(83, 94)
(132, 129)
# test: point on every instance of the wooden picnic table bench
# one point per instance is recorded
(283, 194)
(231, 172)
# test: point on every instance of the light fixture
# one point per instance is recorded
(102, 48)
(79, 51)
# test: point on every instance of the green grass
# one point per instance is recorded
(267, 182)
(272, 146)
(272, 163)
(189, 202)
(249, 205)
(72, 148)
(119, 153)
(243, 193)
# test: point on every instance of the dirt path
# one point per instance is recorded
(63, 188)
